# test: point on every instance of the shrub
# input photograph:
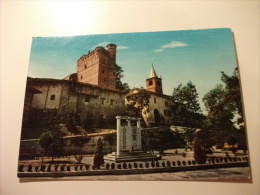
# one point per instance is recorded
(124, 166)
(43, 168)
(36, 169)
(141, 165)
(118, 166)
(130, 166)
(56, 167)
(163, 164)
(62, 167)
(20, 168)
(107, 165)
(189, 162)
(147, 164)
(168, 163)
(157, 164)
(184, 163)
(76, 167)
(87, 167)
(68, 168)
(29, 168)
(152, 164)
(179, 163)
(173, 163)
(135, 165)
(113, 166)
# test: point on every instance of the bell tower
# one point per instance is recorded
(154, 83)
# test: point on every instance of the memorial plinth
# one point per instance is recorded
(129, 145)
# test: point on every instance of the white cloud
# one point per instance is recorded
(172, 44)
(122, 47)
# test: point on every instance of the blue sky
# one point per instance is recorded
(177, 56)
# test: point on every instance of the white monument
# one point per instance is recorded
(128, 134)
(129, 145)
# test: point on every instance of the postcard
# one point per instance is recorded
(135, 106)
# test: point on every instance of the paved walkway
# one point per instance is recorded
(237, 174)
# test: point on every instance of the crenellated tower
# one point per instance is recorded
(98, 67)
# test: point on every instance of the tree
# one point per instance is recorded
(138, 100)
(186, 108)
(219, 115)
(232, 96)
(161, 140)
(51, 140)
(119, 85)
(99, 156)
(224, 104)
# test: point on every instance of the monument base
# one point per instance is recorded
(128, 156)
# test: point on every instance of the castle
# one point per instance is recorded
(91, 92)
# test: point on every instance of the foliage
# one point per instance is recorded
(78, 142)
(232, 140)
(138, 100)
(186, 108)
(223, 104)
(99, 156)
(219, 115)
(232, 97)
(162, 139)
(51, 140)
(119, 85)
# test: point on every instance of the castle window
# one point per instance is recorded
(52, 97)
(155, 100)
(169, 113)
(103, 101)
(80, 77)
(158, 83)
(166, 103)
(87, 99)
(111, 102)
(166, 112)
(85, 66)
(150, 82)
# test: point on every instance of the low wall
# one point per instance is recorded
(127, 168)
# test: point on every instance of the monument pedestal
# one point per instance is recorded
(131, 156)
(129, 146)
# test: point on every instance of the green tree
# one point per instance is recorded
(186, 108)
(51, 140)
(161, 140)
(119, 75)
(219, 115)
(232, 96)
(138, 100)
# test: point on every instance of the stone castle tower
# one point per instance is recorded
(98, 67)
(154, 83)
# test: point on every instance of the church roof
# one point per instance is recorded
(153, 73)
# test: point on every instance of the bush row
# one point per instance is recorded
(128, 165)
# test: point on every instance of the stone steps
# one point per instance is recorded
(131, 156)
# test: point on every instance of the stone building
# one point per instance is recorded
(90, 92)
(160, 105)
